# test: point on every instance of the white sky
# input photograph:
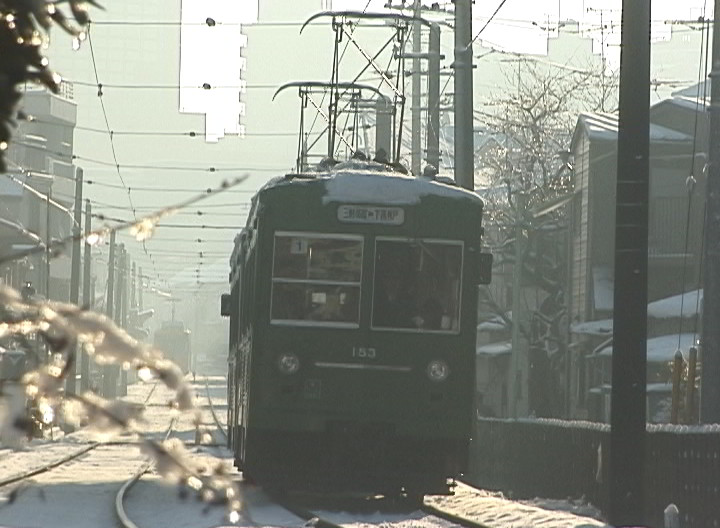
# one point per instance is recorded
(539, 9)
(519, 26)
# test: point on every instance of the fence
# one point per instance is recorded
(558, 459)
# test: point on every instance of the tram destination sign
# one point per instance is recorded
(368, 214)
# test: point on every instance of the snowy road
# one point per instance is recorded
(82, 493)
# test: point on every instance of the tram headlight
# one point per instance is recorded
(288, 363)
(438, 370)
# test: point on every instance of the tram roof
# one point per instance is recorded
(359, 181)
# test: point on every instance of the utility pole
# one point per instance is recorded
(416, 140)
(464, 142)
(629, 356)
(519, 369)
(140, 289)
(108, 390)
(133, 284)
(433, 84)
(87, 296)
(75, 267)
(123, 298)
(710, 343)
(48, 242)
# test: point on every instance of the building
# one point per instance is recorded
(37, 194)
(678, 154)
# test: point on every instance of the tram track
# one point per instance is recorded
(122, 516)
(321, 515)
(121, 511)
(320, 520)
(25, 475)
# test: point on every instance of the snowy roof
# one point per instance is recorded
(603, 327)
(369, 182)
(493, 324)
(494, 349)
(602, 126)
(659, 387)
(693, 91)
(661, 349)
(685, 304)
(353, 185)
(606, 388)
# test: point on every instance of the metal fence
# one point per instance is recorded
(558, 459)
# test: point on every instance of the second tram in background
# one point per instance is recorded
(352, 332)
(174, 340)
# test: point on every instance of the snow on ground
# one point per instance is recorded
(82, 495)
(493, 510)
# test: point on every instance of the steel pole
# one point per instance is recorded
(108, 385)
(70, 384)
(464, 147)
(629, 356)
(710, 344)
(433, 114)
(87, 295)
(416, 119)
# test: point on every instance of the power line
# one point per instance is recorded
(188, 133)
(143, 228)
(107, 122)
(487, 23)
(205, 86)
(177, 167)
(165, 189)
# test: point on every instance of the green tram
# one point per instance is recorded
(352, 332)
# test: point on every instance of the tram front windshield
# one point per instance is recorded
(317, 278)
(417, 285)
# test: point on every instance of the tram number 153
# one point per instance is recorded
(364, 352)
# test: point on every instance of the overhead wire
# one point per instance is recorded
(110, 135)
(487, 23)
(107, 122)
(188, 133)
(347, 43)
(143, 227)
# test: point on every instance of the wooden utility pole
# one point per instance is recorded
(416, 140)
(519, 350)
(122, 320)
(433, 84)
(48, 243)
(87, 295)
(140, 289)
(70, 385)
(710, 344)
(109, 380)
(629, 356)
(464, 143)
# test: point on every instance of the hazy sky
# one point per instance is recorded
(523, 26)
(569, 9)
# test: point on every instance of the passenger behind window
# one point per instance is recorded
(395, 303)
(430, 315)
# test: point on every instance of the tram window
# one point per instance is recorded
(316, 279)
(417, 285)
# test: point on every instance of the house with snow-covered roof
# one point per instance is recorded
(678, 155)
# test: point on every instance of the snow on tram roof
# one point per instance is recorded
(370, 182)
